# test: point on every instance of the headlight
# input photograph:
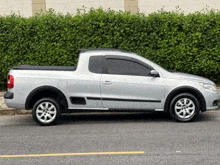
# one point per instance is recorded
(208, 86)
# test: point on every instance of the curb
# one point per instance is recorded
(10, 112)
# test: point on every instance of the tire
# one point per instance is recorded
(46, 111)
(184, 107)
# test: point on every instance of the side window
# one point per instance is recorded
(95, 64)
(126, 67)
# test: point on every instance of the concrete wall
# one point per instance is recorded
(29, 7)
(188, 6)
(23, 6)
(71, 6)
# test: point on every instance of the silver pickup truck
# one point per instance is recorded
(108, 80)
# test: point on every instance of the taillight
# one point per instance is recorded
(10, 83)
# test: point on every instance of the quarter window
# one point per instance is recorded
(95, 64)
(126, 67)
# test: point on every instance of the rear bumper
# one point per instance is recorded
(8, 95)
(11, 102)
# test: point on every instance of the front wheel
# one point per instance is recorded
(46, 111)
(184, 107)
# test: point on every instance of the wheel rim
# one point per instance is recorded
(46, 112)
(184, 108)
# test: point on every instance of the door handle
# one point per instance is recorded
(107, 82)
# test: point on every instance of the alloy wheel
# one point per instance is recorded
(184, 108)
(46, 112)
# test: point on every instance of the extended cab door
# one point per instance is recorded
(126, 84)
(85, 89)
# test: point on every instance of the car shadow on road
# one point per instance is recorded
(125, 117)
(113, 117)
(105, 118)
(207, 116)
(119, 118)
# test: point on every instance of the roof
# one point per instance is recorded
(106, 49)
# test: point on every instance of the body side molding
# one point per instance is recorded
(115, 99)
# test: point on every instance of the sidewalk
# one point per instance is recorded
(4, 110)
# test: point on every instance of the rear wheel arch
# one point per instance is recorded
(185, 89)
(46, 91)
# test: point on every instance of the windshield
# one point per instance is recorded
(157, 65)
(170, 70)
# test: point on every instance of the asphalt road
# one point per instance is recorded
(111, 139)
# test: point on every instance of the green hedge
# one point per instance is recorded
(188, 43)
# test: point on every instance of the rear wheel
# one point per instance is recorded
(184, 107)
(46, 111)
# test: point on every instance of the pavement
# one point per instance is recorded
(112, 139)
(4, 110)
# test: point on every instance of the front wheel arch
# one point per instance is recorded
(185, 89)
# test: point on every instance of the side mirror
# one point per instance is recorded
(154, 73)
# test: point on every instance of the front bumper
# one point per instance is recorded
(211, 100)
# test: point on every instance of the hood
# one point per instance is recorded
(186, 76)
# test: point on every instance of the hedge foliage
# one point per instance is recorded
(186, 43)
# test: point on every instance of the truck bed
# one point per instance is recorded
(42, 67)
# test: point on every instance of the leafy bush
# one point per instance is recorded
(188, 43)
